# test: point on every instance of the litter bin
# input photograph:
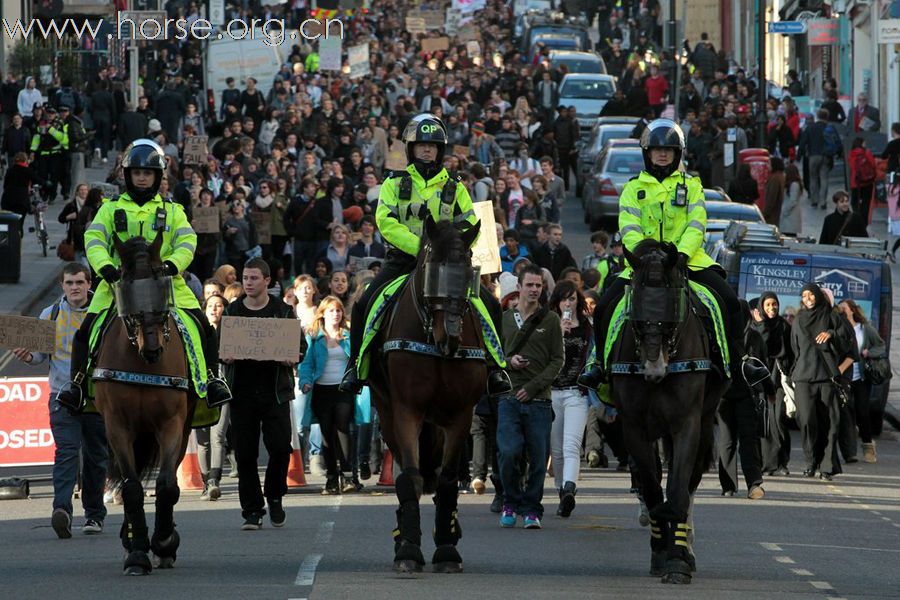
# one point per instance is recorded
(758, 159)
(10, 247)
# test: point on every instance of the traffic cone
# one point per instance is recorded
(387, 469)
(295, 476)
(189, 477)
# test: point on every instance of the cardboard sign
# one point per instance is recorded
(25, 435)
(430, 45)
(195, 152)
(359, 60)
(37, 335)
(248, 338)
(206, 219)
(433, 18)
(468, 6)
(451, 21)
(473, 48)
(330, 54)
(415, 25)
(468, 33)
(486, 251)
(262, 221)
(461, 150)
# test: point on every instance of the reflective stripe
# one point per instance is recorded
(187, 245)
(184, 231)
(98, 227)
(632, 210)
(697, 225)
(464, 216)
(93, 243)
(394, 210)
(630, 228)
(701, 203)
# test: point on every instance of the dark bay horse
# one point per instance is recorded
(665, 386)
(141, 387)
(425, 395)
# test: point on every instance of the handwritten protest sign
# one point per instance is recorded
(430, 45)
(433, 19)
(248, 338)
(358, 57)
(473, 48)
(37, 335)
(468, 32)
(262, 221)
(195, 152)
(330, 53)
(486, 252)
(416, 25)
(206, 219)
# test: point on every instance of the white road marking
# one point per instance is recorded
(875, 512)
(326, 528)
(802, 572)
(336, 506)
(307, 573)
(772, 547)
(892, 550)
(785, 560)
(821, 585)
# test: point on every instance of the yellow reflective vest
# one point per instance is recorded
(178, 246)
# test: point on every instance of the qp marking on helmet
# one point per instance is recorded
(429, 128)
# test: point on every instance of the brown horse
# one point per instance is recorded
(141, 387)
(425, 382)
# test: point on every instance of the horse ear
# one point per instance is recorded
(156, 246)
(632, 259)
(430, 227)
(470, 234)
(118, 245)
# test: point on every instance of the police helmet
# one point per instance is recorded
(426, 128)
(616, 239)
(662, 133)
(143, 154)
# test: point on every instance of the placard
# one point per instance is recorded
(469, 32)
(430, 45)
(25, 435)
(195, 152)
(461, 150)
(249, 338)
(486, 251)
(451, 21)
(262, 221)
(330, 53)
(415, 25)
(473, 48)
(37, 335)
(359, 60)
(205, 219)
(468, 6)
(433, 18)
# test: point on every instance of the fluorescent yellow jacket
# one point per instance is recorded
(401, 221)
(178, 246)
(646, 202)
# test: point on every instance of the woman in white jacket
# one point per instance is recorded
(791, 221)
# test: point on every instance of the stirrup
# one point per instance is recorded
(498, 383)
(753, 370)
(350, 382)
(593, 378)
(72, 396)
(216, 386)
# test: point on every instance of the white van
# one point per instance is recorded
(240, 59)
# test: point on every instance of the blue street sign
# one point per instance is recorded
(788, 27)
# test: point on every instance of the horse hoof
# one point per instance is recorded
(165, 562)
(136, 571)
(677, 578)
(407, 567)
(138, 563)
(448, 567)
(658, 563)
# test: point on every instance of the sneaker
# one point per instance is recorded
(61, 521)
(92, 527)
(532, 521)
(252, 523)
(756, 493)
(97, 153)
(507, 517)
(276, 512)
(478, 486)
(213, 490)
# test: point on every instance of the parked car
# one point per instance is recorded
(715, 194)
(553, 41)
(578, 61)
(733, 211)
(618, 162)
(588, 93)
(600, 134)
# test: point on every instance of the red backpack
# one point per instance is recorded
(865, 170)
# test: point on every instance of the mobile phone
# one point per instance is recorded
(567, 315)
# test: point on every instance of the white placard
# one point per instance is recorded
(330, 53)
(359, 60)
(217, 12)
(486, 251)
(468, 6)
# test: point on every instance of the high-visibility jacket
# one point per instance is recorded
(178, 246)
(646, 203)
(400, 220)
(59, 135)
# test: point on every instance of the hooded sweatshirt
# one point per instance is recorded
(27, 99)
(68, 321)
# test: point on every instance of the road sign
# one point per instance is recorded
(788, 27)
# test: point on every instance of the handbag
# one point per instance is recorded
(66, 250)
(877, 370)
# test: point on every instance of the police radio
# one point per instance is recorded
(680, 199)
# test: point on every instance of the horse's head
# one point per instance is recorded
(658, 303)
(449, 279)
(144, 295)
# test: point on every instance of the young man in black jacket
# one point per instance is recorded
(843, 222)
(262, 393)
(300, 222)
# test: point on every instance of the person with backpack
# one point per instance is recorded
(78, 146)
(820, 143)
(863, 173)
(66, 95)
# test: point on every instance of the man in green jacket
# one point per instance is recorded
(50, 147)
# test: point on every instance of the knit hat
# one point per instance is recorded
(154, 126)
(508, 284)
(477, 127)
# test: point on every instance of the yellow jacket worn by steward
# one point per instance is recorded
(400, 220)
(645, 203)
(178, 246)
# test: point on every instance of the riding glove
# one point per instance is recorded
(170, 268)
(683, 261)
(110, 274)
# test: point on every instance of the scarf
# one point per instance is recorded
(815, 321)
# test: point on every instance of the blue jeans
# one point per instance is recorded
(74, 433)
(523, 426)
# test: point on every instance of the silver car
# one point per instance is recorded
(617, 163)
(602, 133)
(588, 93)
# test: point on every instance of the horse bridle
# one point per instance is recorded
(663, 307)
(446, 287)
(140, 300)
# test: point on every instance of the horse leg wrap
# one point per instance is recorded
(167, 495)
(133, 499)
(681, 544)
(166, 547)
(447, 530)
(408, 486)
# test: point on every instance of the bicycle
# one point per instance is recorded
(38, 208)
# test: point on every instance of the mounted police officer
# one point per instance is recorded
(406, 198)
(140, 211)
(665, 202)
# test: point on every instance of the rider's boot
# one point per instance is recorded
(498, 383)
(73, 396)
(594, 378)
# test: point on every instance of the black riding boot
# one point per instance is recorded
(351, 383)
(217, 392)
(73, 396)
(498, 383)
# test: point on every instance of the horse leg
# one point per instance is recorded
(408, 486)
(447, 530)
(685, 455)
(165, 540)
(135, 538)
(703, 459)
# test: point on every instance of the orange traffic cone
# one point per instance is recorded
(295, 476)
(387, 469)
(189, 477)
